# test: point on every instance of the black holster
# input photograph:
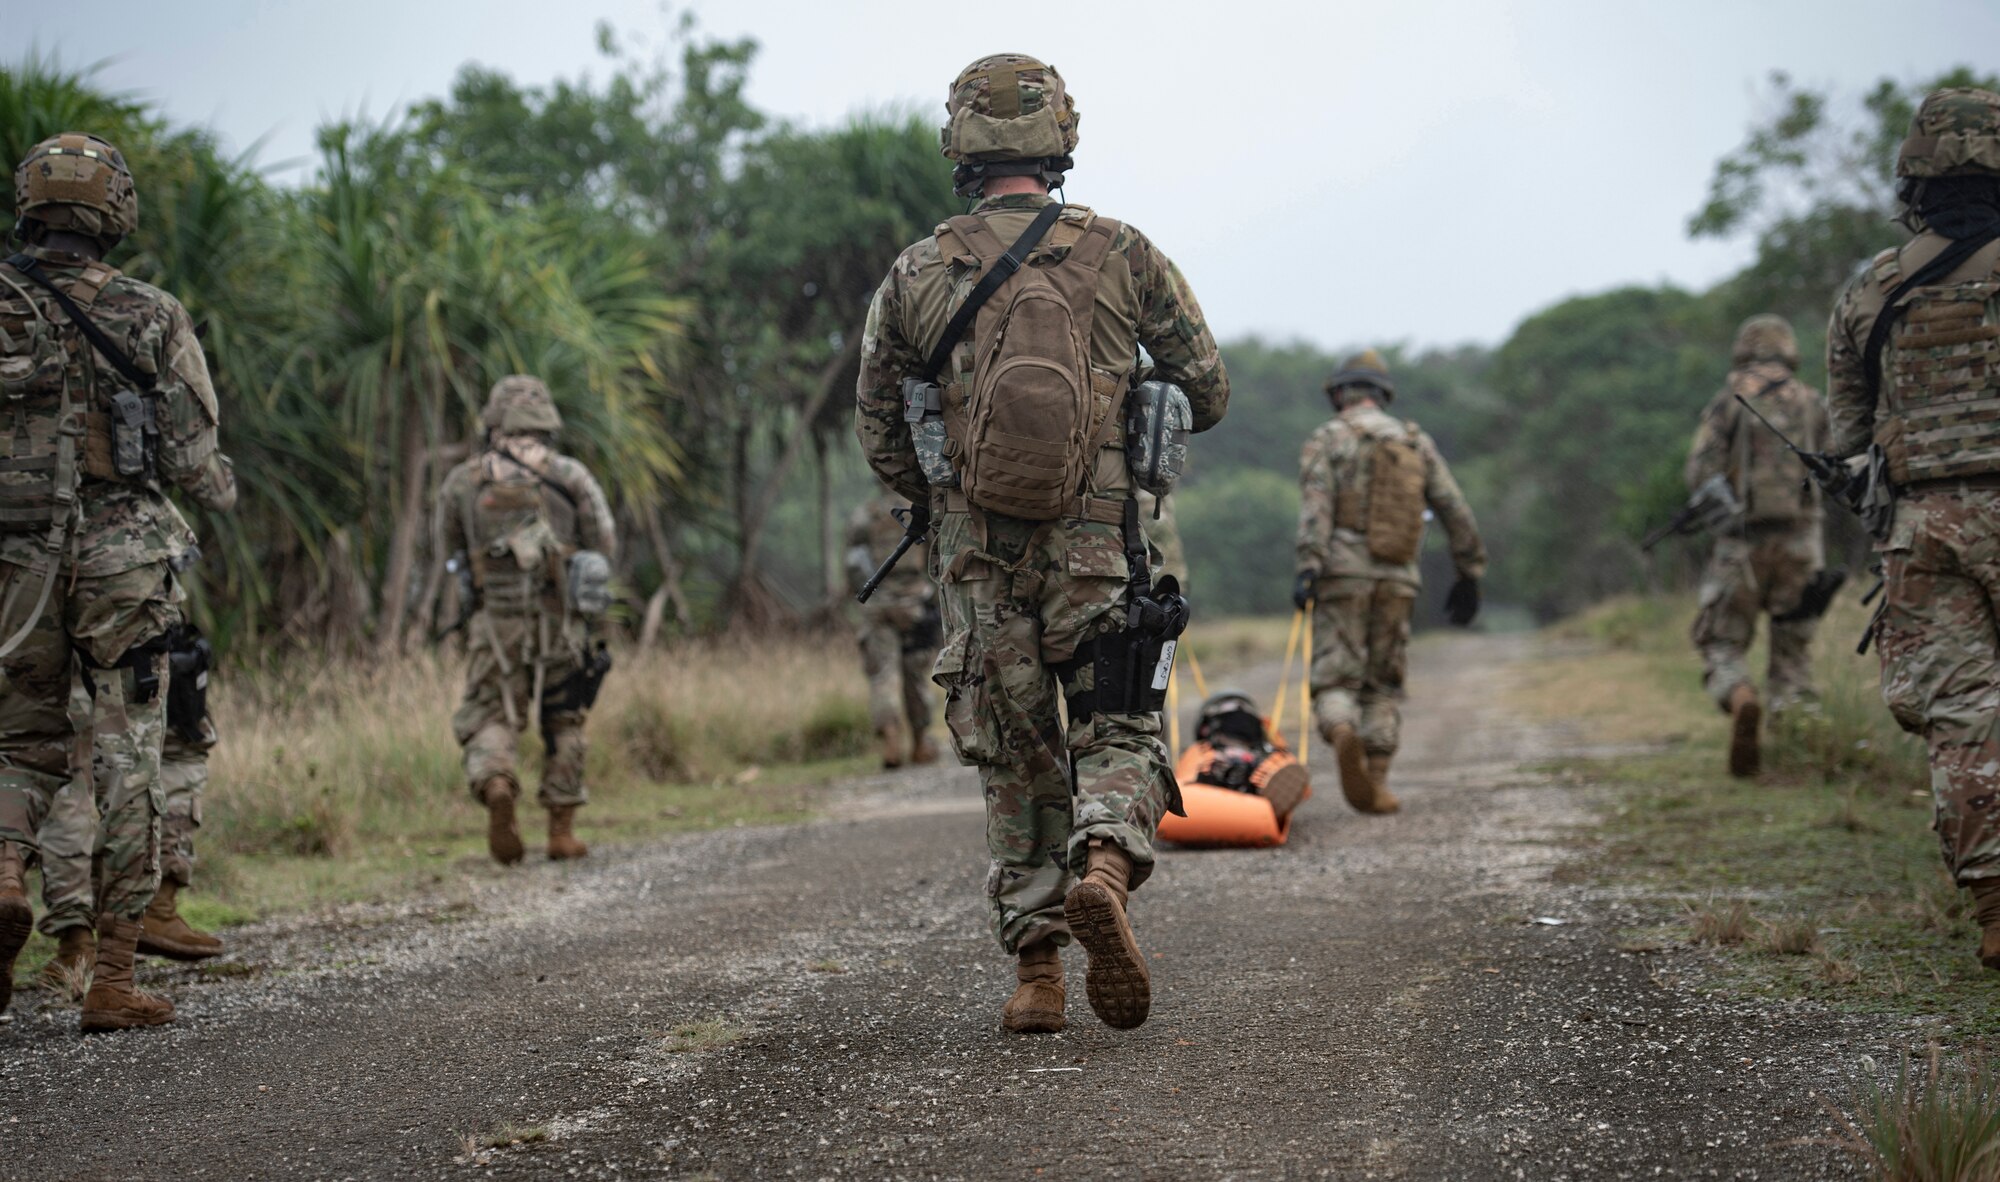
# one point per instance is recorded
(189, 657)
(579, 690)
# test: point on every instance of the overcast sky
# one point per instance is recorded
(1418, 171)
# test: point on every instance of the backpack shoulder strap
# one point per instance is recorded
(1953, 257)
(1094, 246)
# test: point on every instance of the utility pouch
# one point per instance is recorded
(131, 434)
(189, 659)
(1158, 418)
(923, 410)
(588, 584)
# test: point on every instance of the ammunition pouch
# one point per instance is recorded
(587, 583)
(579, 690)
(189, 657)
(923, 410)
(1158, 418)
(135, 436)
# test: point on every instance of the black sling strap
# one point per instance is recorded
(1003, 270)
(95, 335)
(1929, 273)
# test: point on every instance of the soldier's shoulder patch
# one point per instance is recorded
(1886, 266)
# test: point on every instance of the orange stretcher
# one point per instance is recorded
(1262, 782)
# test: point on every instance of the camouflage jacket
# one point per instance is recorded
(872, 535)
(1141, 300)
(1331, 469)
(1768, 479)
(1853, 413)
(123, 526)
(570, 501)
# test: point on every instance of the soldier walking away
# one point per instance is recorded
(90, 542)
(1365, 479)
(1913, 365)
(1771, 556)
(900, 633)
(532, 540)
(1007, 417)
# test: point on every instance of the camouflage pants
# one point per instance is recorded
(897, 656)
(1763, 572)
(1361, 649)
(69, 834)
(97, 620)
(1014, 610)
(499, 704)
(1941, 662)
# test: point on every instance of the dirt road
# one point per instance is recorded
(822, 1001)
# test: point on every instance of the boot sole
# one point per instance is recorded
(1286, 789)
(152, 946)
(503, 834)
(1744, 757)
(568, 856)
(1116, 982)
(17, 922)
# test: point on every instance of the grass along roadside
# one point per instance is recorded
(1820, 878)
(338, 783)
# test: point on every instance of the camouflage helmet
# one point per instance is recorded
(77, 182)
(1008, 114)
(519, 403)
(1365, 368)
(1956, 132)
(1766, 338)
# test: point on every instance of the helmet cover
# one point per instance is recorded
(80, 183)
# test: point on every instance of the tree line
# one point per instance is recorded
(690, 275)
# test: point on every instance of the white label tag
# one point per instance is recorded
(1164, 671)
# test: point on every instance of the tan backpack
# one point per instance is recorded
(1027, 431)
(1392, 518)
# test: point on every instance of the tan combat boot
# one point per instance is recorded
(927, 750)
(895, 744)
(162, 931)
(17, 918)
(113, 1003)
(503, 833)
(1745, 713)
(1116, 981)
(1986, 909)
(1037, 1004)
(563, 844)
(1355, 783)
(1378, 775)
(68, 972)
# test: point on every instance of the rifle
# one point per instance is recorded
(1713, 503)
(1842, 484)
(916, 523)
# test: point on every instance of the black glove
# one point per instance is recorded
(1302, 588)
(1461, 603)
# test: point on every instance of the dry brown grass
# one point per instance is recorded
(1720, 923)
(323, 764)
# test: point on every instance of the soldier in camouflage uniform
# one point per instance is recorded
(899, 633)
(1924, 405)
(526, 519)
(1365, 479)
(89, 540)
(1768, 556)
(1024, 598)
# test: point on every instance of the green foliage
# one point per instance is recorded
(1238, 528)
(1943, 1126)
